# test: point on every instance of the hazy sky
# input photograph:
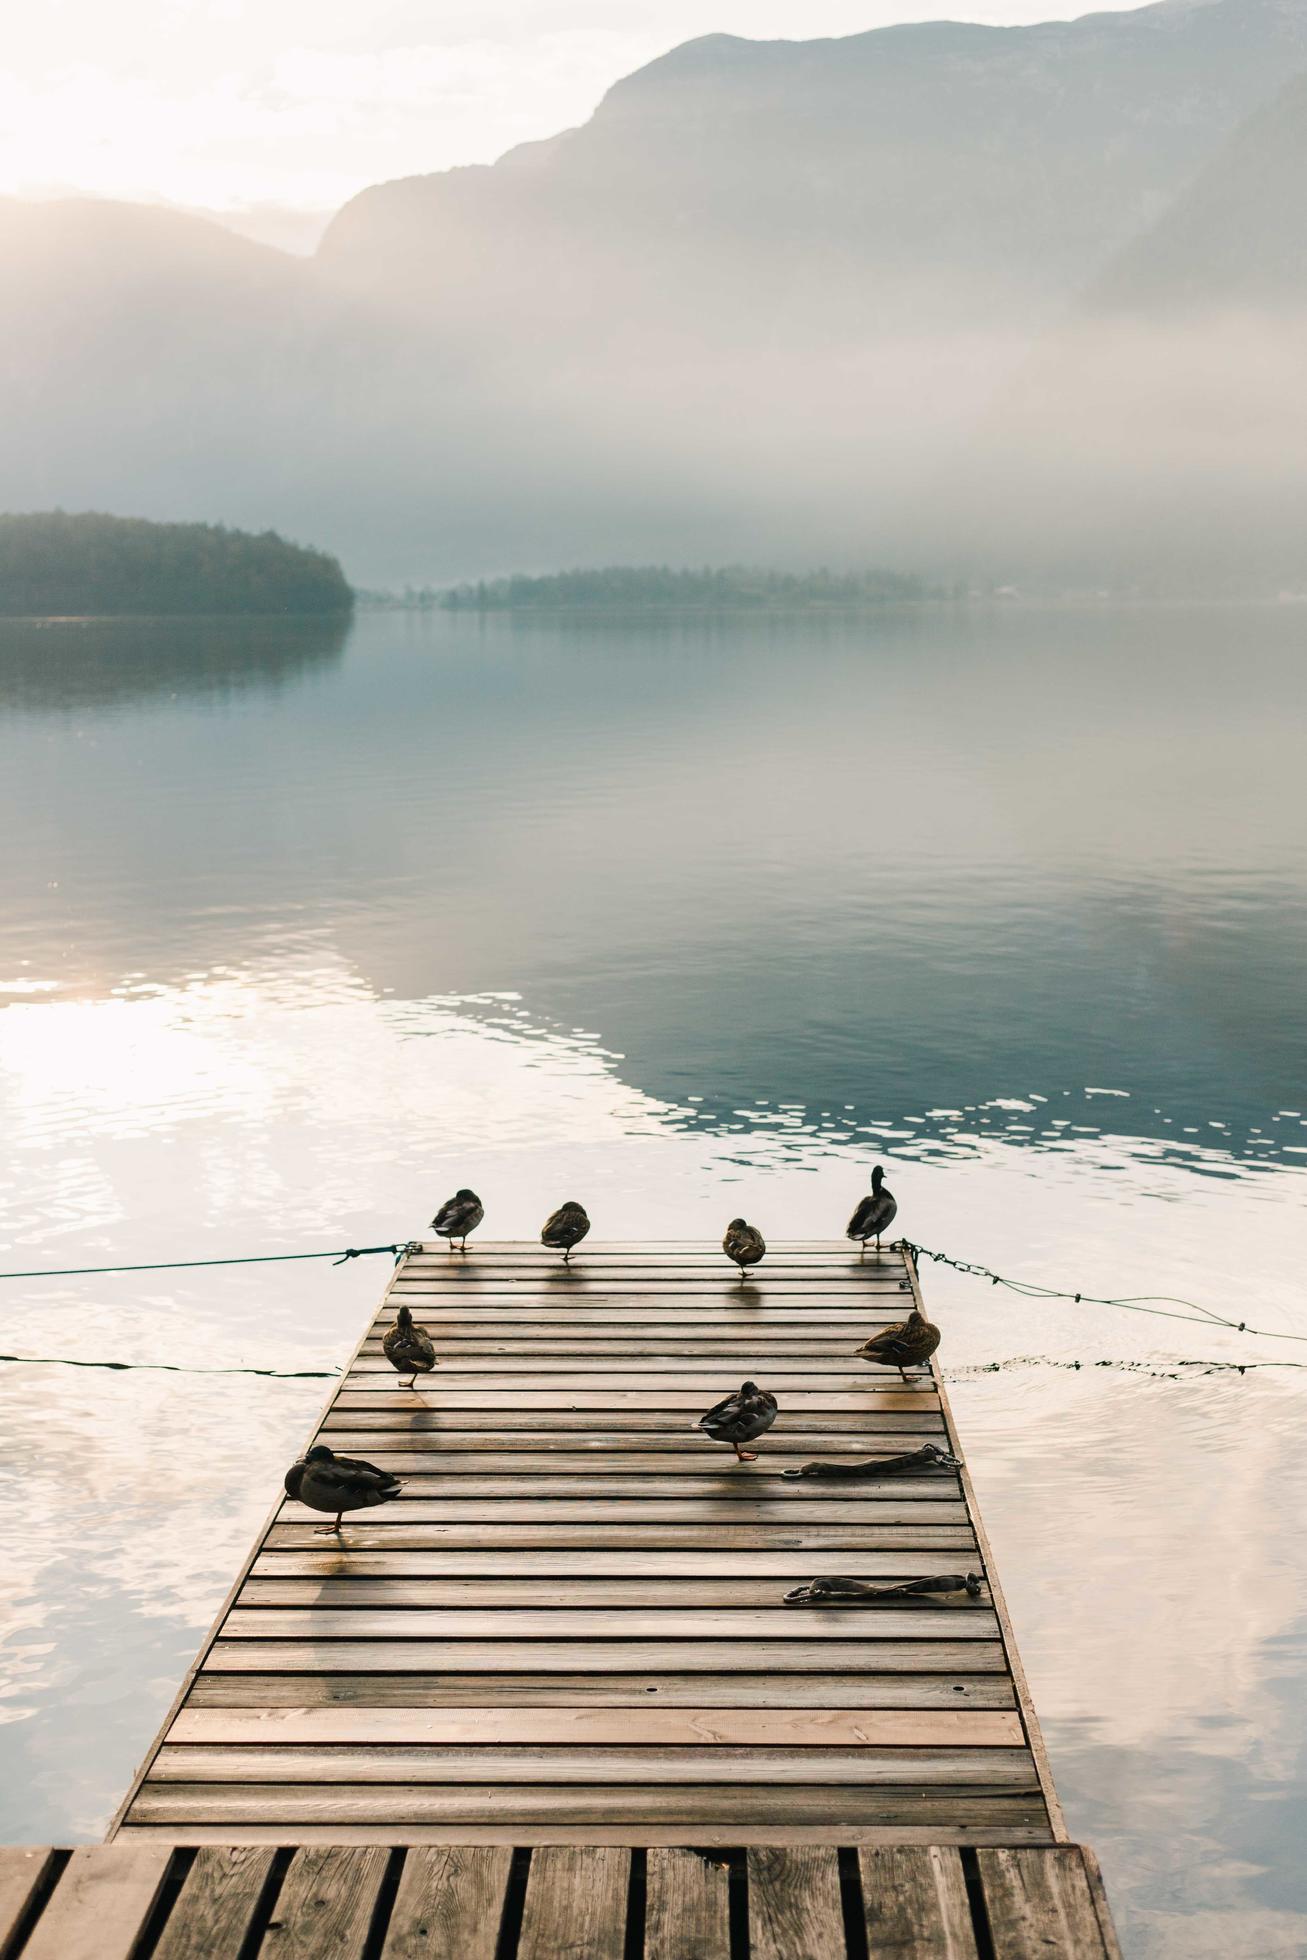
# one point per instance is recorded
(232, 103)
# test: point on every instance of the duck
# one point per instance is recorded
(457, 1217)
(744, 1244)
(908, 1344)
(565, 1228)
(406, 1345)
(326, 1482)
(874, 1214)
(948, 1589)
(739, 1418)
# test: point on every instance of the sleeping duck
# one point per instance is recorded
(326, 1482)
(457, 1217)
(408, 1347)
(565, 1228)
(744, 1244)
(875, 1214)
(739, 1419)
(908, 1344)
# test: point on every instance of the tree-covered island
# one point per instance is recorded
(70, 565)
(665, 588)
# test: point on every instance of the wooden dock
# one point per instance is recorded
(549, 1700)
(569, 1628)
(557, 1902)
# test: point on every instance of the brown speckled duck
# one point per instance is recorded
(326, 1482)
(739, 1418)
(744, 1244)
(565, 1228)
(408, 1347)
(908, 1344)
(457, 1217)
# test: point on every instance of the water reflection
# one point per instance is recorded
(64, 665)
(687, 921)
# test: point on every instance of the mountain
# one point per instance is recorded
(835, 183)
(751, 311)
(1237, 238)
(144, 352)
(1158, 436)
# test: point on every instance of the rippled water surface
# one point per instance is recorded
(304, 927)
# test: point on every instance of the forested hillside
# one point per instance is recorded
(55, 562)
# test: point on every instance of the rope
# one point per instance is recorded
(1132, 1302)
(337, 1258)
(172, 1368)
(1173, 1373)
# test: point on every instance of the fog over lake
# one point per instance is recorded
(683, 917)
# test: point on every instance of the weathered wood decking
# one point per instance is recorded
(569, 1628)
(487, 1902)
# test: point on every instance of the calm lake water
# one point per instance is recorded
(302, 928)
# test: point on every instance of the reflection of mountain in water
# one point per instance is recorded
(97, 663)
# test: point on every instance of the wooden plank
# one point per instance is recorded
(1040, 1904)
(491, 1324)
(352, 1594)
(773, 1277)
(101, 1903)
(215, 1908)
(776, 1690)
(24, 1868)
(485, 1656)
(794, 1904)
(575, 1904)
(325, 1905)
(569, 1727)
(420, 1427)
(866, 1419)
(449, 1905)
(410, 1764)
(797, 1531)
(922, 1622)
(291, 1804)
(698, 1831)
(802, 1352)
(915, 1903)
(731, 1482)
(515, 1318)
(595, 1511)
(689, 1389)
(620, 1473)
(687, 1907)
(537, 1568)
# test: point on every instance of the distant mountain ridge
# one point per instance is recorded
(1018, 157)
(754, 310)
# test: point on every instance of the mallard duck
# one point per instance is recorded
(407, 1346)
(565, 1228)
(949, 1589)
(875, 1214)
(326, 1482)
(744, 1244)
(913, 1463)
(908, 1344)
(739, 1419)
(457, 1217)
